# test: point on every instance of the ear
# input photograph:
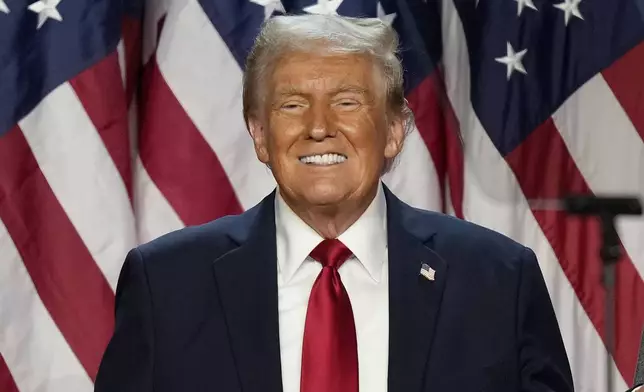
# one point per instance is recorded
(258, 133)
(395, 137)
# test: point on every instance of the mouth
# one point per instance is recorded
(323, 159)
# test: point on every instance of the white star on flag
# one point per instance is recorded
(521, 4)
(570, 7)
(46, 9)
(270, 6)
(513, 60)
(382, 15)
(3, 7)
(324, 7)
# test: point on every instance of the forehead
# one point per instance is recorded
(315, 71)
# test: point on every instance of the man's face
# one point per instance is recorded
(324, 130)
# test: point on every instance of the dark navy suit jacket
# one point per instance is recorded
(196, 310)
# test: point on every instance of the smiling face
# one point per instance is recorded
(324, 129)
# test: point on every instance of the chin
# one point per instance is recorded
(323, 200)
(324, 194)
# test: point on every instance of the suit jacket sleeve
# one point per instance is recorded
(127, 363)
(543, 360)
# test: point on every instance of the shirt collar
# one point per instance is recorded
(366, 238)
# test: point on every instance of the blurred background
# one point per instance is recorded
(122, 120)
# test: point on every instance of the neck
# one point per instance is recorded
(332, 220)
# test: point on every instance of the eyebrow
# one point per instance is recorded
(349, 88)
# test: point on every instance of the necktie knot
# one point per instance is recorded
(331, 253)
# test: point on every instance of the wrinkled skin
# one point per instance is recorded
(317, 104)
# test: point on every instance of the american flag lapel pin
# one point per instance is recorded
(427, 272)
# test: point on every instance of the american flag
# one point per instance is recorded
(121, 121)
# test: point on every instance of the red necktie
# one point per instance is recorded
(330, 350)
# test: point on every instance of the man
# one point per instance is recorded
(331, 283)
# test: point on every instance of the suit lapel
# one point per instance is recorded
(414, 301)
(246, 280)
(247, 284)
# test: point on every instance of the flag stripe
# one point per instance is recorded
(181, 164)
(576, 241)
(80, 185)
(426, 190)
(608, 151)
(34, 350)
(132, 43)
(423, 101)
(506, 211)
(493, 198)
(210, 94)
(102, 96)
(438, 127)
(453, 148)
(626, 79)
(83, 177)
(449, 206)
(120, 49)
(6, 380)
(154, 215)
(154, 17)
(64, 273)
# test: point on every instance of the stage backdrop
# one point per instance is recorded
(118, 125)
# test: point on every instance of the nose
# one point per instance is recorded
(320, 123)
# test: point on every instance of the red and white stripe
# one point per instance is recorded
(574, 149)
(98, 167)
(66, 220)
(32, 345)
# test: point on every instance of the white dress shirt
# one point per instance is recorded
(365, 277)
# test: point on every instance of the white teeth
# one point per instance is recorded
(325, 159)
